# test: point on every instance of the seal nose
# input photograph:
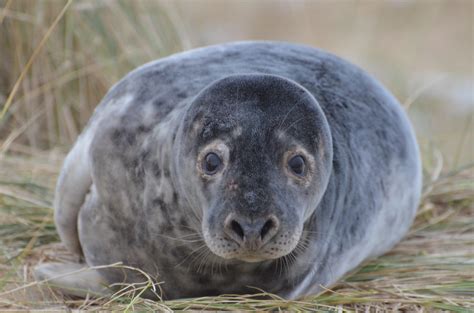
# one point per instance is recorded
(251, 235)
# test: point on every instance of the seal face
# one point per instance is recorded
(260, 169)
(252, 164)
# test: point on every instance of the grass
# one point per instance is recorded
(431, 269)
(60, 57)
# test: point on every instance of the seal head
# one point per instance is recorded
(261, 156)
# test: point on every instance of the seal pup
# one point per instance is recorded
(238, 166)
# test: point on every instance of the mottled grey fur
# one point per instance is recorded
(130, 190)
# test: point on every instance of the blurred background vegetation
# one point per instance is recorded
(421, 50)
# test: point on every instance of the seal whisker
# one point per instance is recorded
(287, 259)
(192, 259)
(292, 259)
(294, 122)
(204, 262)
(196, 212)
(280, 266)
(197, 236)
(181, 241)
(288, 113)
(198, 261)
(197, 250)
(214, 262)
(203, 257)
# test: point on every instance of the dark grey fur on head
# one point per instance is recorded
(248, 111)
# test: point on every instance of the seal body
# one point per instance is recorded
(250, 164)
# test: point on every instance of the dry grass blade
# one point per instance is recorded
(32, 59)
(3, 12)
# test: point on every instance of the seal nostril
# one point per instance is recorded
(266, 228)
(237, 228)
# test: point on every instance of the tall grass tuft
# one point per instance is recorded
(75, 61)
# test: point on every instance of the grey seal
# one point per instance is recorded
(238, 166)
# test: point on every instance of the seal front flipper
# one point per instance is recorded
(72, 279)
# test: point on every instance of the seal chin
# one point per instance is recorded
(251, 259)
(249, 256)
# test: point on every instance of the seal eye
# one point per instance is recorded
(296, 165)
(211, 163)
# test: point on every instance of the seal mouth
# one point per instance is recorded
(281, 244)
(252, 255)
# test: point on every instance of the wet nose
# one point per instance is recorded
(251, 234)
